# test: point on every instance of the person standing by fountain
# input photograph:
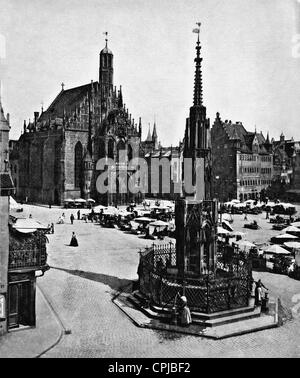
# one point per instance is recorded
(185, 313)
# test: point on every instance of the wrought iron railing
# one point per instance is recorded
(229, 286)
(27, 258)
(27, 251)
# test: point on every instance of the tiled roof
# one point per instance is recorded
(236, 131)
(67, 100)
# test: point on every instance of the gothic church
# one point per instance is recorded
(58, 151)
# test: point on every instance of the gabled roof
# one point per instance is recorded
(67, 100)
(235, 130)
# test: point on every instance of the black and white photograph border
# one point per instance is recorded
(149, 181)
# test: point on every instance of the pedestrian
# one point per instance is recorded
(52, 228)
(185, 313)
(258, 292)
(78, 215)
(72, 218)
(245, 217)
(267, 214)
(74, 242)
(30, 216)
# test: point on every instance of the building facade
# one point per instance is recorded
(58, 152)
(284, 152)
(6, 187)
(242, 161)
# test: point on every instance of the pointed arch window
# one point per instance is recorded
(120, 150)
(111, 147)
(78, 165)
(130, 153)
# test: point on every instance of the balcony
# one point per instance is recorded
(27, 252)
(27, 259)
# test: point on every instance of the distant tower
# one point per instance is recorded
(106, 70)
(154, 136)
(120, 98)
(149, 137)
(140, 127)
(196, 215)
(196, 135)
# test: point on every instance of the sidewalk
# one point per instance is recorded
(228, 329)
(31, 342)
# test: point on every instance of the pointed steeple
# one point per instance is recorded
(198, 76)
(140, 127)
(120, 98)
(154, 134)
(149, 137)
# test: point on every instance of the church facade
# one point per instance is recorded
(58, 151)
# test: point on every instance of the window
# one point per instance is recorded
(78, 165)
(110, 152)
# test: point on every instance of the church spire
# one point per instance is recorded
(198, 72)
(149, 138)
(154, 135)
(140, 127)
(120, 98)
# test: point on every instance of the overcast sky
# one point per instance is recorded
(251, 73)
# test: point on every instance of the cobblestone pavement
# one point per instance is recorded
(83, 280)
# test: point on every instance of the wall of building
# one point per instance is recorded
(4, 250)
(224, 165)
(72, 137)
(39, 166)
(254, 173)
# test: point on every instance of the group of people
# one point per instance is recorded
(61, 220)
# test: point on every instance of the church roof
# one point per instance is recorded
(67, 100)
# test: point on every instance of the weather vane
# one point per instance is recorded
(106, 33)
(197, 30)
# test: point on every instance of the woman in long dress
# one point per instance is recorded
(74, 242)
(185, 315)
